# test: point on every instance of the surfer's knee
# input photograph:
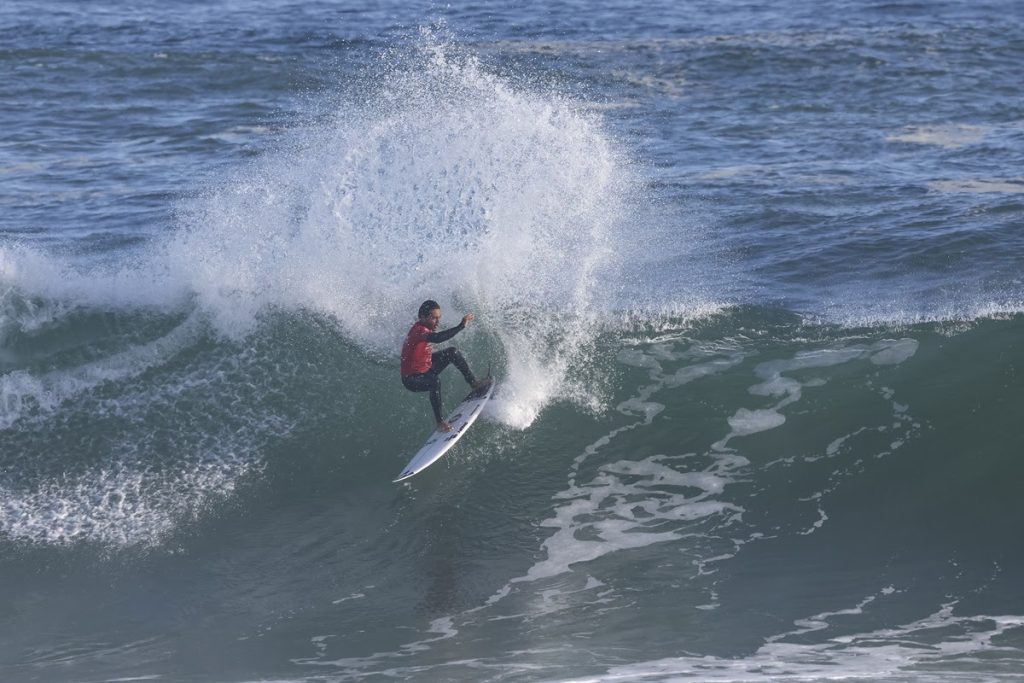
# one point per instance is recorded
(451, 356)
(418, 383)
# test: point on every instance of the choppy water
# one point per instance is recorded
(750, 276)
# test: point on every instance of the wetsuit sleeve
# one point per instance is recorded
(438, 337)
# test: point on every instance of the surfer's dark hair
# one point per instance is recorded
(427, 306)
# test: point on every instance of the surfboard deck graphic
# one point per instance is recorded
(460, 419)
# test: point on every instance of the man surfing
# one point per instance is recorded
(422, 366)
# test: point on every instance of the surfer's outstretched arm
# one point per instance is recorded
(438, 337)
(445, 335)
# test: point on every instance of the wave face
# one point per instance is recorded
(449, 183)
(755, 314)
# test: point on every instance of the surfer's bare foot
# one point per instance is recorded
(443, 426)
(481, 383)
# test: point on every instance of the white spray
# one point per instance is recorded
(450, 184)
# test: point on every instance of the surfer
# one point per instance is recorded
(421, 366)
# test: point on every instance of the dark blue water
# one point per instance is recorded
(748, 274)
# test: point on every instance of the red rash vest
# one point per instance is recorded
(416, 351)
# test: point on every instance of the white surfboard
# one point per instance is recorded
(438, 444)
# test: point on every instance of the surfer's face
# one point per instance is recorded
(432, 319)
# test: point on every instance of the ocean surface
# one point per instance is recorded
(750, 274)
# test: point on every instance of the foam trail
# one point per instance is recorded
(119, 505)
(909, 652)
(159, 449)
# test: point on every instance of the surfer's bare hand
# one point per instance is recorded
(466, 319)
